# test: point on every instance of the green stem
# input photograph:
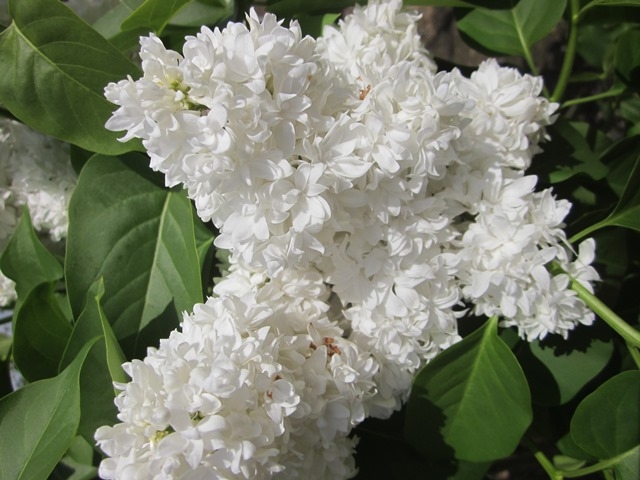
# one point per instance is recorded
(592, 228)
(597, 467)
(542, 459)
(594, 98)
(626, 331)
(635, 354)
(570, 54)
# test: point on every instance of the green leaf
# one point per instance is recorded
(147, 256)
(608, 3)
(153, 15)
(26, 261)
(626, 213)
(197, 13)
(571, 154)
(443, 3)
(627, 59)
(621, 157)
(102, 366)
(289, 8)
(38, 423)
(607, 422)
(6, 342)
(513, 31)
(40, 334)
(471, 402)
(628, 467)
(54, 68)
(556, 374)
(314, 24)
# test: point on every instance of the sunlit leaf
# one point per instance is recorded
(515, 30)
(607, 422)
(147, 255)
(471, 402)
(53, 70)
(556, 376)
(40, 334)
(153, 15)
(197, 13)
(38, 423)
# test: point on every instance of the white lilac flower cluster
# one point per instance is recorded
(367, 202)
(36, 172)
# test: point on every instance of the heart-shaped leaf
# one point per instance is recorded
(471, 402)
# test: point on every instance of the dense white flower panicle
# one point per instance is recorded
(366, 201)
(244, 390)
(509, 117)
(506, 255)
(375, 38)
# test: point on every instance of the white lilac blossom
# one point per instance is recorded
(367, 202)
(36, 172)
(250, 386)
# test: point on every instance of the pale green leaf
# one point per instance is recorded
(38, 423)
(556, 375)
(471, 402)
(53, 70)
(140, 238)
(153, 15)
(513, 31)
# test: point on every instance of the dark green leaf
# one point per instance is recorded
(289, 8)
(471, 402)
(54, 68)
(572, 154)
(314, 24)
(38, 423)
(101, 368)
(513, 31)
(147, 255)
(627, 60)
(607, 422)
(153, 15)
(40, 334)
(608, 3)
(626, 214)
(621, 158)
(556, 375)
(443, 3)
(26, 261)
